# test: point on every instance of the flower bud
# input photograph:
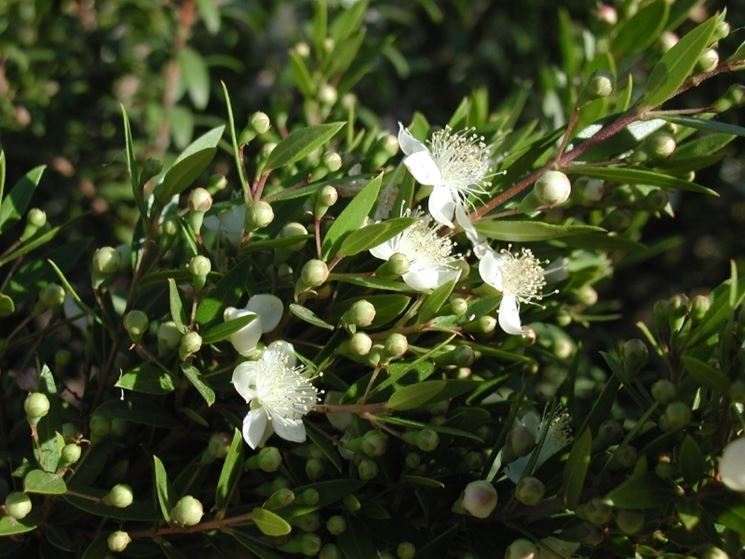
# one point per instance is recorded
(479, 498)
(361, 313)
(36, 406)
(99, 427)
(405, 550)
(656, 200)
(314, 273)
(258, 215)
(294, 229)
(708, 60)
(629, 521)
(136, 324)
(553, 188)
(367, 469)
(352, 503)
(593, 190)
(396, 265)
(200, 267)
(699, 306)
(169, 227)
(731, 469)
(600, 85)
(17, 505)
(218, 445)
(35, 220)
(635, 354)
(586, 295)
(260, 122)
(668, 40)
(200, 200)
(359, 344)
(618, 220)
(282, 497)
(677, 415)
(217, 182)
(396, 345)
(336, 525)
(70, 454)
(327, 94)
(663, 391)
(521, 549)
(120, 496)
(427, 440)
(315, 469)
(169, 337)
(625, 456)
(118, 541)
(188, 511)
(106, 261)
(589, 534)
(374, 443)
(530, 491)
(332, 161)
(270, 459)
(520, 441)
(190, 344)
(606, 14)
(52, 296)
(327, 197)
(610, 432)
(598, 512)
(661, 144)
(458, 306)
(713, 552)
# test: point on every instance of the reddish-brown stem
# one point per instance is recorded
(567, 135)
(350, 408)
(258, 187)
(317, 231)
(201, 527)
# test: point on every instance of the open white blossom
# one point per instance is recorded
(279, 395)
(431, 259)
(228, 223)
(519, 277)
(559, 435)
(268, 310)
(455, 165)
(732, 465)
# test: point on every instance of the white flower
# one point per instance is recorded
(431, 259)
(268, 310)
(228, 223)
(559, 435)
(278, 393)
(455, 165)
(519, 277)
(732, 465)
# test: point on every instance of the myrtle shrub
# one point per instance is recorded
(329, 336)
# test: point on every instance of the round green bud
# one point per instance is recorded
(310, 545)
(359, 344)
(610, 432)
(120, 496)
(668, 40)
(367, 469)
(677, 415)
(52, 296)
(200, 266)
(270, 459)
(118, 541)
(553, 188)
(329, 44)
(708, 60)
(217, 182)
(188, 511)
(330, 551)
(598, 512)
(635, 353)
(482, 325)
(663, 391)
(629, 521)
(260, 121)
(736, 94)
(722, 31)
(268, 148)
(699, 306)
(309, 522)
(62, 358)
(520, 441)
(314, 273)
(396, 345)
(36, 406)
(259, 215)
(352, 503)
(136, 324)
(713, 552)
(389, 144)
(200, 200)
(600, 85)
(348, 101)
(656, 200)
(36, 218)
(361, 313)
(661, 144)
(530, 491)
(625, 456)
(479, 498)
(302, 49)
(332, 161)
(70, 454)
(106, 260)
(589, 534)
(413, 460)
(282, 497)
(586, 295)
(294, 229)
(169, 336)
(427, 440)
(606, 14)
(17, 505)
(737, 391)
(315, 469)
(405, 550)
(327, 196)
(374, 443)
(458, 306)
(399, 264)
(663, 469)
(118, 426)
(619, 219)
(327, 94)
(190, 344)
(336, 525)
(99, 427)
(521, 549)
(309, 497)
(169, 227)
(218, 445)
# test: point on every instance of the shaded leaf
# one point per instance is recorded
(415, 395)
(163, 489)
(198, 382)
(147, 379)
(645, 492)
(231, 471)
(15, 203)
(576, 469)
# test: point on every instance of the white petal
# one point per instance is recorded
(509, 316)
(430, 277)
(408, 143)
(285, 349)
(231, 223)
(479, 242)
(514, 470)
(490, 269)
(254, 427)
(244, 340)
(441, 205)
(424, 169)
(532, 422)
(244, 380)
(292, 430)
(269, 308)
(385, 250)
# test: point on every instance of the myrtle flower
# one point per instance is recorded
(278, 392)
(228, 223)
(520, 278)
(430, 256)
(732, 465)
(455, 165)
(268, 310)
(559, 435)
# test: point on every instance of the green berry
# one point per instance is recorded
(70, 454)
(188, 511)
(396, 345)
(361, 313)
(360, 344)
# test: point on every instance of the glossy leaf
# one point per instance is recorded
(645, 492)
(307, 315)
(639, 176)
(132, 170)
(415, 395)
(9, 526)
(198, 382)
(195, 75)
(176, 306)
(301, 142)
(46, 483)
(576, 469)
(352, 217)
(692, 460)
(642, 29)
(530, 231)
(706, 375)
(270, 524)
(139, 411)
(373, 235)
(230, 472)
(15, 203)
(224, 330)
(147, 379)
(163, 489)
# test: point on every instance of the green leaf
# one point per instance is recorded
(9, 526)
(226, 292)
(134, 176)
(231, 471)
(706, 375)
(2, 174)
(195, 75)
(642, 30)
(323, 442)
(7, 306)
(224, 330)
(530, 231)
(189, 165)
(269, 523)
(210, 14)
(677, 63)
(147, 379)
(163, 489)
(692, 460)
(35, 242)
(708, 125)
(46, 483)
(352, 217)
(177, 307)
(234, 139)
(576, 469)
(139, 511)
(373, 235)
(415, 395)
(645, 492)
(639, 176)
(196, 379)
(733, 517)
(307, 315)
(138, 411)
(300, 143)
(14, 205)
(254, 547)
(356, 541)
(422, 481)
(434, 301)
(50, 441)
(302, 76)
